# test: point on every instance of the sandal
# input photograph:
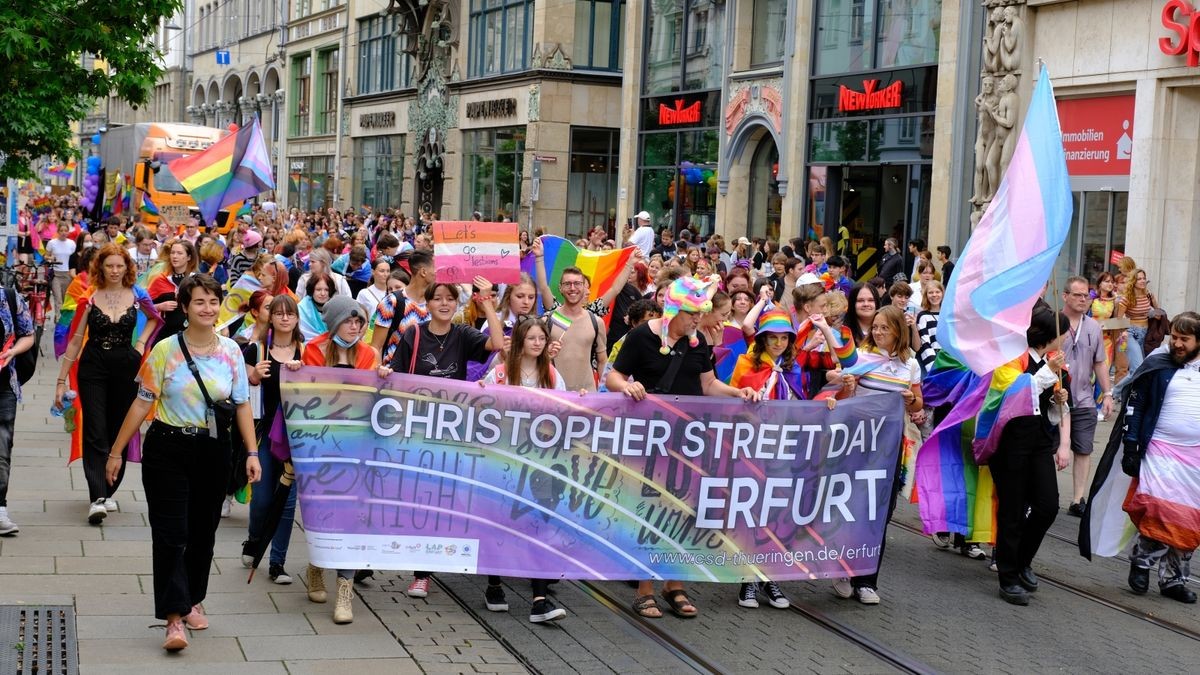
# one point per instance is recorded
(680, 605)
(644, 605)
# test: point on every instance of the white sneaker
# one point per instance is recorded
(110, 504)
(227, 506)
(97, 512)
(868, 596)
(843, 589)
(7, 526)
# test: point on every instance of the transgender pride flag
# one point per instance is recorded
(1011, 254)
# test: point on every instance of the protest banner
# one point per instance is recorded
(465, 248)
(446, 476)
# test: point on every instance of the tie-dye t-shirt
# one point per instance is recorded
(165, 378)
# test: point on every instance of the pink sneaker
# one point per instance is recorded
(419, 588)
(176, 638)
(196, 620)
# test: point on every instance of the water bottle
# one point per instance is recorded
(68, 399)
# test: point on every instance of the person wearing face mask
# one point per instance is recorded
(340, 347)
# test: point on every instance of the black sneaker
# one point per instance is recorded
(279, 575)
(494, 598)
(543, 610)
(1139, 579)
(775, 596)
(361, 576)
(748, 596)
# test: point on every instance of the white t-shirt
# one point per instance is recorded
(1179, 418)
(62, 252)
(370, 297)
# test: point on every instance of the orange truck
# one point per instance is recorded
(141, 153)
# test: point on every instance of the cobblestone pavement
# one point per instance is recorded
(939, 612)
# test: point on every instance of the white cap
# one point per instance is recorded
(643, 215)
(743, 240)
(808, 278)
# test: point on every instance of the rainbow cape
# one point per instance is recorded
(756, 375)
(954, 485)
(146, 305)
(601, 267)
(234, 168)
(71, 299)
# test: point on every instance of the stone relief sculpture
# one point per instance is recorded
(986, 175)
(998, 105)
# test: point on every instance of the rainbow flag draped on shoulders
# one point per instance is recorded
(146, 306)
(234, 168)
(954, 485)
(1010, 255)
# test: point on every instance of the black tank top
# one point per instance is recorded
(106, 334)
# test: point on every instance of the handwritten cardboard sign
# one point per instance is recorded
(463, 249)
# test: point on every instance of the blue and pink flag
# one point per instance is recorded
(1011, 254)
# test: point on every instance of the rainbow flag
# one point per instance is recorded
(148, 205)
(118, 198)
(954, 485)
(1011, 254)
(234, 168)
(601, 267)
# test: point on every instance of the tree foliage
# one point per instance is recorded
(43, 85)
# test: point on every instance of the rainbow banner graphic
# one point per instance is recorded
(234, 168)
(422, 473)
(601, 267)
(464, 249)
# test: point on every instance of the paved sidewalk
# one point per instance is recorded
(104, 572)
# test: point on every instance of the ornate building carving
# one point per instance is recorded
(999, 103)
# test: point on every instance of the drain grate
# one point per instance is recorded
(38, 640)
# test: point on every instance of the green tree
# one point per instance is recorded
(44, 82)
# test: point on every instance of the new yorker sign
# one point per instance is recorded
(1182, 19)
(871, 97)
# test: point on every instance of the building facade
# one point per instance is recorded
(1127, 79)
(236, 66)
(792, 118)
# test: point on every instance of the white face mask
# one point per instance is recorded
(89, 244)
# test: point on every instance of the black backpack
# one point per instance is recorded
(25, 362)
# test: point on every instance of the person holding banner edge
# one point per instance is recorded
(888, 364)
(529, 359)
(441, 348)
(685, 369)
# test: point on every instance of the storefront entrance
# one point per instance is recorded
(861, 206)
(766, 205)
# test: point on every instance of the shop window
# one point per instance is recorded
(1096, 235)
(681, 190)
(592, 181)
(381, 64)
(493, 160)
(767, 33)
(310, 182)
(379, 171)
(599, 34)
(327, 118)
(908, 33)
(300, 94)
(500, 36)
(684, 46)
(842, 25)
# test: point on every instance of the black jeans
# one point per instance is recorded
(872, 580)
(8, 418)
(184, 478)
(1024, 481)
(106, 390)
